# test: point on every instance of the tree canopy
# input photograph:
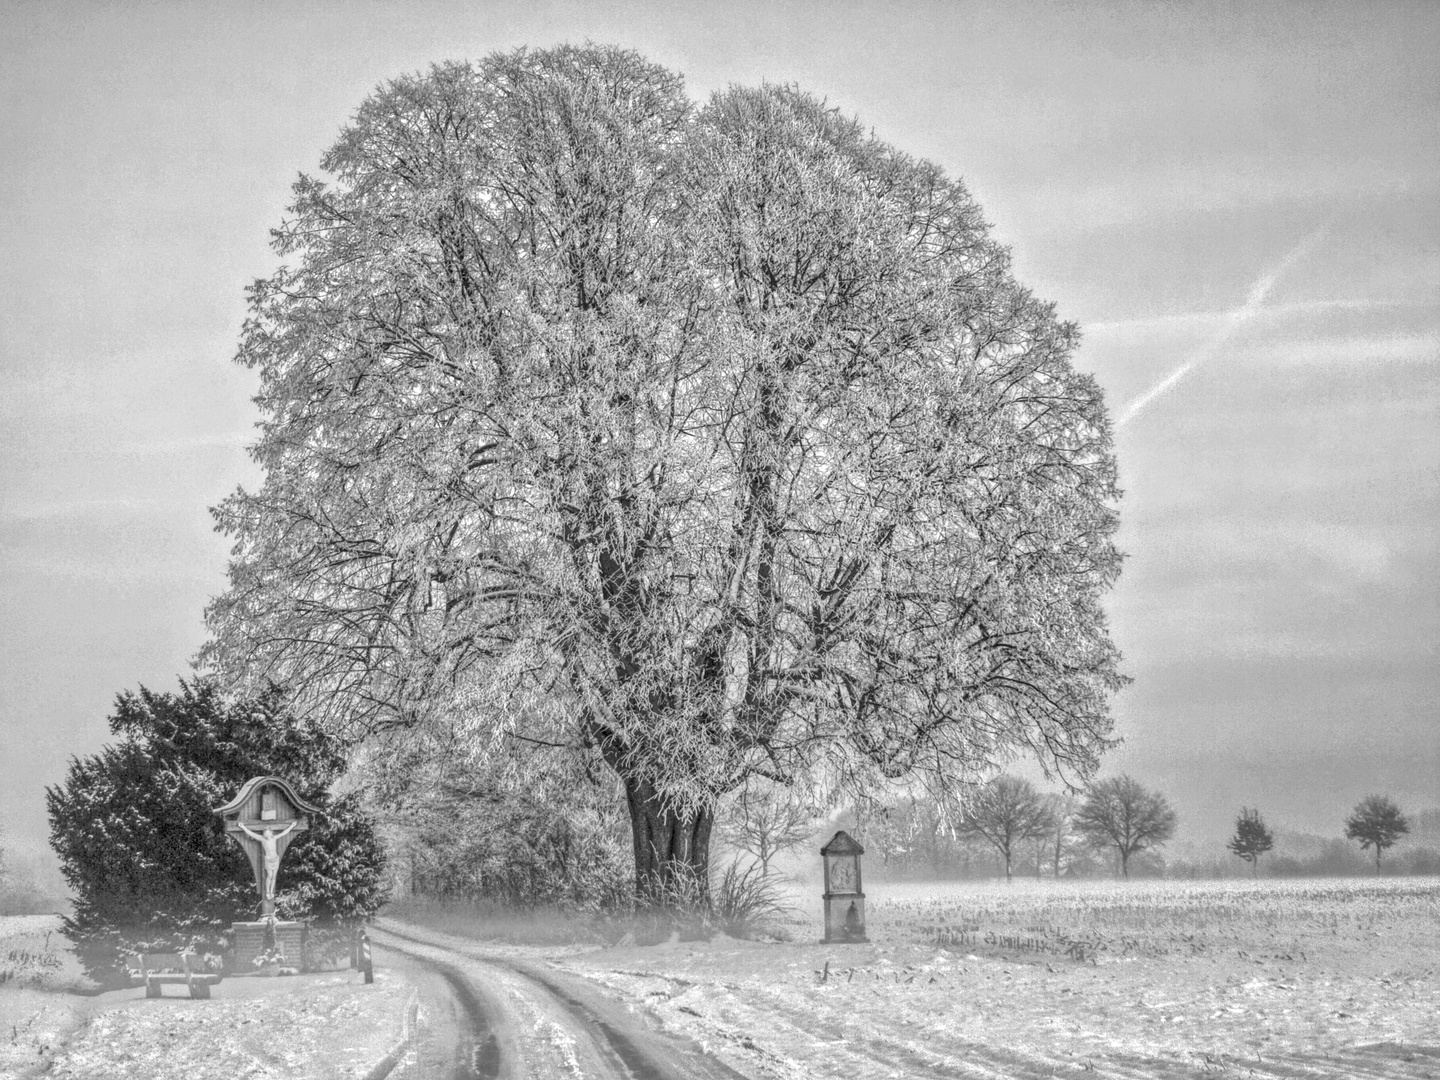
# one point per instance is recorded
(1376, 822)
(1252, 839)
(763, 819)
(718, 441)
(140, 845)
(1124, 814)
(1006, 812)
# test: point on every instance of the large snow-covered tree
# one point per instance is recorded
(713, 441)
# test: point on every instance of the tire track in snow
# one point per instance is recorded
(611, 1041)
(521, 1004)
(484, 1056)
(459, 1020)
(830, 1039)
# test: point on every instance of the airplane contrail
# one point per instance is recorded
(1254, 301)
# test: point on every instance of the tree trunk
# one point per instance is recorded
(1124, 864)
(672, 850)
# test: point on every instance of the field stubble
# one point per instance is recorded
(1146, 979)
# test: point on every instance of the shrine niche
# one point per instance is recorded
(844, 900)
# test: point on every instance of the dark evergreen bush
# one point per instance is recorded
(146, 856)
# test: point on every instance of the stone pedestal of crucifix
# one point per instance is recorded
(263, 818)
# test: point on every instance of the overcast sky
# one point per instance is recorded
(1240, 204)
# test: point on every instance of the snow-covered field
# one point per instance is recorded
(1336, 978)
(35, 1014)
(1321, 978)
(325, 1026)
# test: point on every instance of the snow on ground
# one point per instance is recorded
(324, 1026)
(1041, 978)
(319, 1026)
(35, 1015)
(33, 1025)
(34, 954)
(1300, 978)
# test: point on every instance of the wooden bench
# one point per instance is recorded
(157, 969)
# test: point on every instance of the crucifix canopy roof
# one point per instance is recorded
(246, 789)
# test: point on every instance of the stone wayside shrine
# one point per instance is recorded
(844, 902)
(263, 818)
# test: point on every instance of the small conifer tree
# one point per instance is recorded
(1376, 822)
(1252, 839)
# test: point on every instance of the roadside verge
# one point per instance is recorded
(325, 1026)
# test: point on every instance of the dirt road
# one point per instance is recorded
(489, 1016)
(513, 1016)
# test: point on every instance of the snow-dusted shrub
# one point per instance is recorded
(141, 847)
(744, 899)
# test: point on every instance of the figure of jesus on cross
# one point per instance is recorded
(268, 841)
(264, 817)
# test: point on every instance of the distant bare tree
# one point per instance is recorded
(1124, 814)
(1376, 821)
(1054, 844)
(880, 827)
(765, 819)
(1041, 842)
(911, 835)
(1062, 813)
(1252, 839)
(929, 833)
(1007, 812)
